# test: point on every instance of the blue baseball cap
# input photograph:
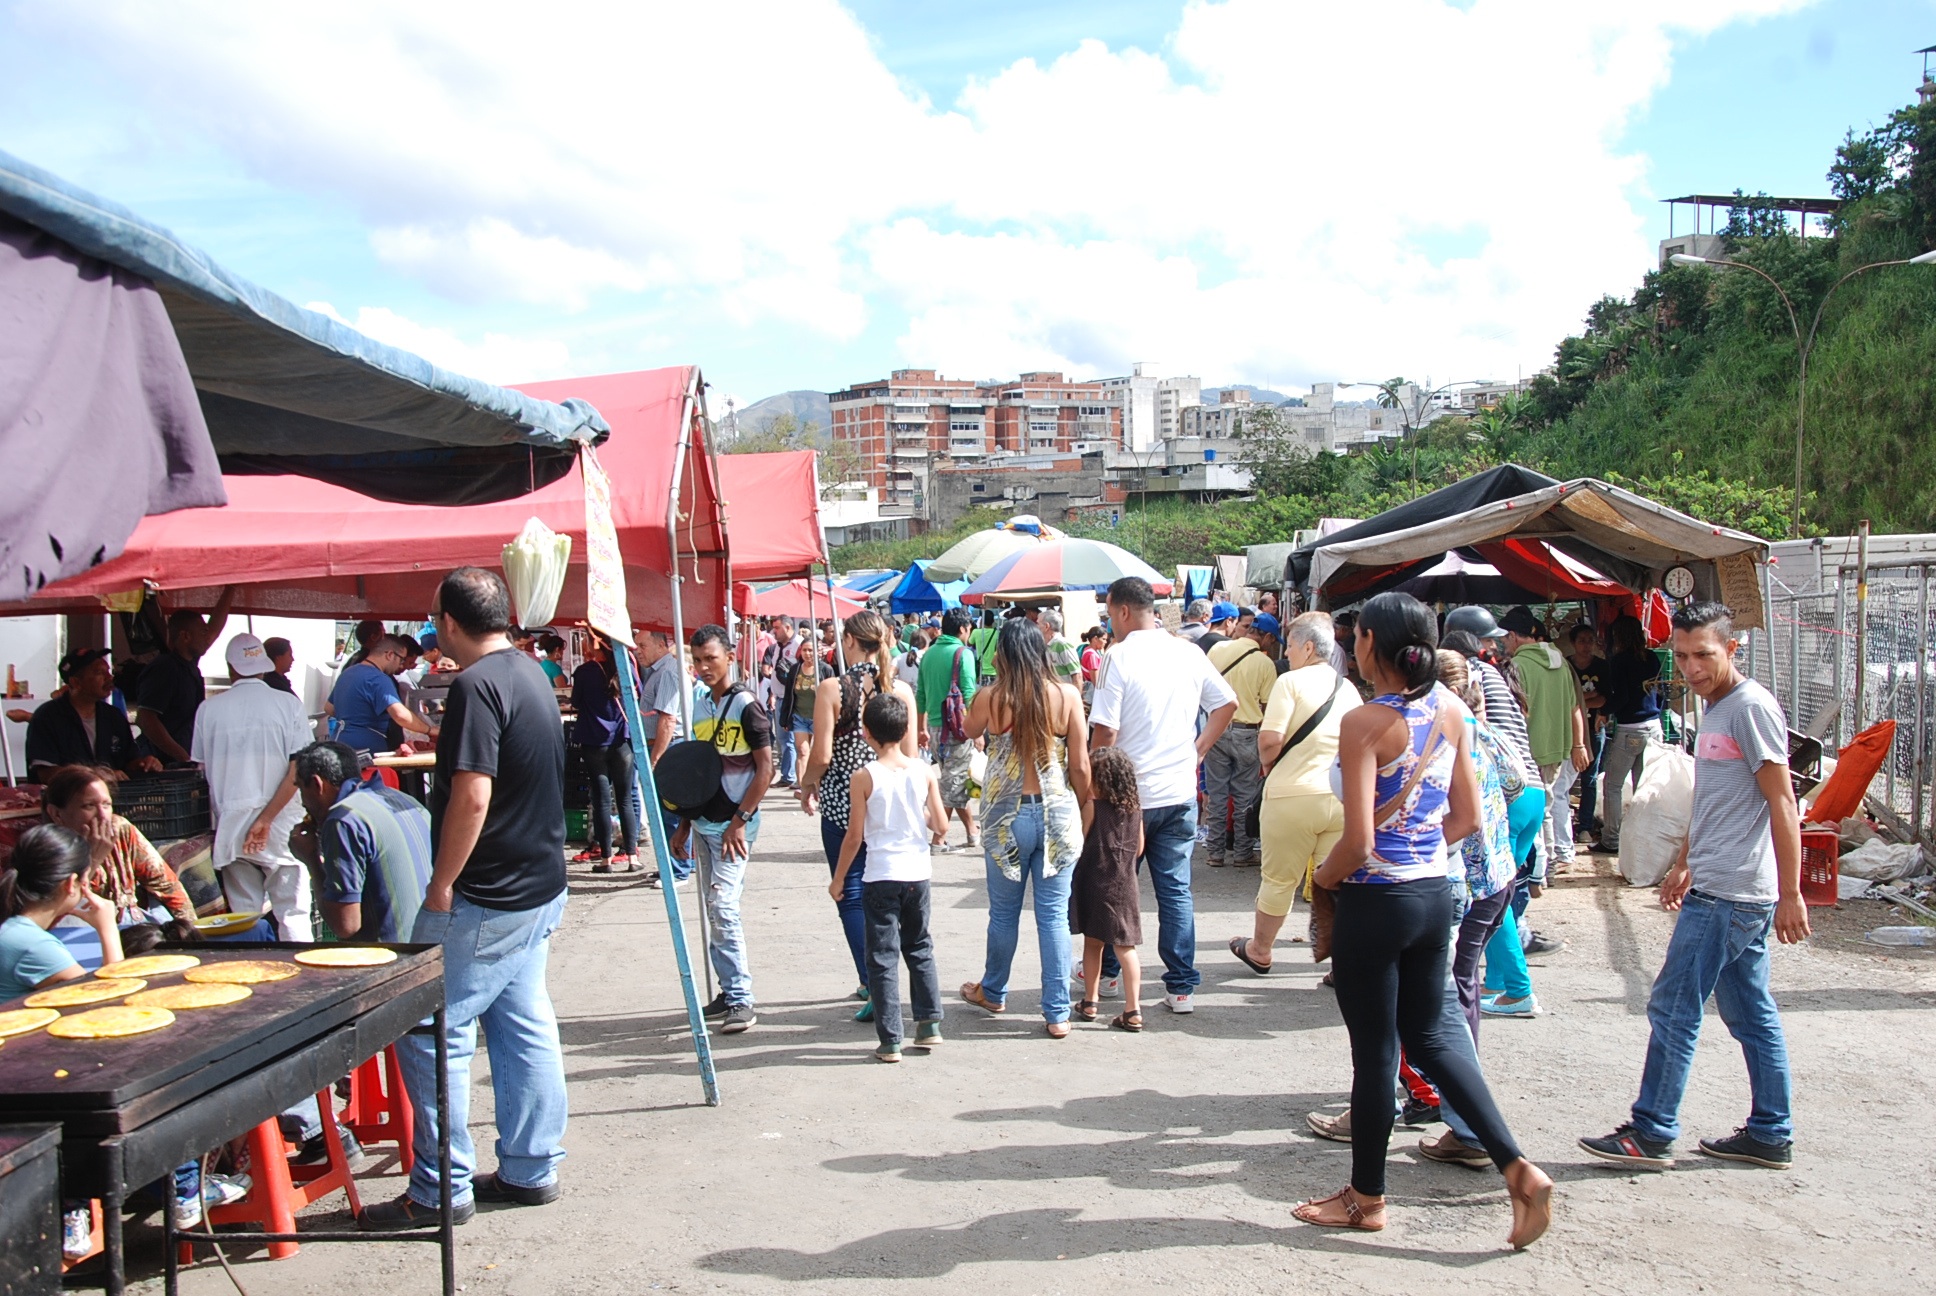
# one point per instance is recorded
(1223, 612)
(1265, 624)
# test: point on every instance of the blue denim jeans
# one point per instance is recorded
(1719, 948)
(727, 947)
(494, 972)
(1169, 836)
(853, 917)
(1506, 957)
(785, 754)
(1051, 919)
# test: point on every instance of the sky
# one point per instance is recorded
(804, 194)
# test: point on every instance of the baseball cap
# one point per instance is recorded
(1223, 612)
(1264, 624)
(247, 656)
(79, 660)
(1475, 621)
(1519, 621)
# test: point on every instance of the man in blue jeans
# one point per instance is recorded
(1738, 877)
(1150, 689)
(496, 893)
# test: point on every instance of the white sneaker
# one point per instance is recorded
(187, 1213)
(1180, 1003)
(1111, 988)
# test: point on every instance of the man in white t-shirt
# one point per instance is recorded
(1148, 693)
(244, 739)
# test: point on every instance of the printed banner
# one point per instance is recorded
(605, 607)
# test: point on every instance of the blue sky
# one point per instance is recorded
(799, 195)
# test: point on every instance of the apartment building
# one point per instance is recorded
(1153, 408)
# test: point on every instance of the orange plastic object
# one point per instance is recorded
(1821, 867)
(1855, 768)
(278, 1190)
(379, 1109)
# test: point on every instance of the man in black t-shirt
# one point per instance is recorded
(81, 727)
(171, 688)
(496, 894)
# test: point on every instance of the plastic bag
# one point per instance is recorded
(1881, 861)
(534, 568)
(1654, 827)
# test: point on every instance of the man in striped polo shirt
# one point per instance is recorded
(373, 856)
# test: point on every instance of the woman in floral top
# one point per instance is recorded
(127, 871)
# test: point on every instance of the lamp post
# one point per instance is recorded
(1804, 343)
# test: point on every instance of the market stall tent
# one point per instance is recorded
(916, 593)
(772, 510)
(300, 547)
(165, 370)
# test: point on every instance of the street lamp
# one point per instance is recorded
(1803, 344)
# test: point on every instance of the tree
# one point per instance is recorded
(839, 462)
(1281, 462)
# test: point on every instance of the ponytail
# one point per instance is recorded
(868, 629)
(45, 857)
(1404, 636)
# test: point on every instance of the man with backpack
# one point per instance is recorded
(942, 692)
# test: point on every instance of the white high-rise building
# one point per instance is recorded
(1152, 407)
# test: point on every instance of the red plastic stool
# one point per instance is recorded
(379, 1108)
(278, 1190)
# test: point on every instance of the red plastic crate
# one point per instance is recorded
(1821, 866)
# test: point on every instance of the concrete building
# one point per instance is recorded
(1096, 476)
(1223, 420)
(912, 423)
(1152, 407)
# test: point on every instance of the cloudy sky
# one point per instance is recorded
(805, 194)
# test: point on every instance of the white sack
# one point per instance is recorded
(1881, 861)
(1654, 827)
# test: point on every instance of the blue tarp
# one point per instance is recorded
(916, 593)
(868, 582)
(286, 390)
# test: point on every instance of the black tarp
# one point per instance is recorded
(1488, 487)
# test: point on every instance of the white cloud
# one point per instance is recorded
(1259, 199)
(496, 358)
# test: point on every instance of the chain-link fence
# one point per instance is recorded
(1809, 657)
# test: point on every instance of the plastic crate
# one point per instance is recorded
(1821, 866)
(164, 806)
(578, 825)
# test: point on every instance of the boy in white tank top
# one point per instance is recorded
(896, 812)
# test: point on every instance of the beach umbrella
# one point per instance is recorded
(971, 557)
(1062, 565)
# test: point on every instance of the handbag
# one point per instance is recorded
(1253, 815)
(690, 775)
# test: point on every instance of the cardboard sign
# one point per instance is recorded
(605, 606)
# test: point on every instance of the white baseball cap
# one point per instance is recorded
(248, 657)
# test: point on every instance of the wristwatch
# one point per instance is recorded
(741, 817)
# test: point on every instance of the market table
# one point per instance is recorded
(411, 771)
(30, 1216)
(132, 1109)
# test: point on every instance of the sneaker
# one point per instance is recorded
(717, 1008)
(225, 1190)
(865, 1012)
(186, 1213)
(1111, 988)
(1418, 1113)
(1743, 1146)
(1500, 1006)
(1182, 1003)
(403, 1214)
(77, 1233)
(490, 1188)
(927, 1034)
(888, 1052)
(1216, 860)
(1450, 1149)
(1336, 1128)
(315, 1151)
(739, 1019)
(1629, 1146)
(1544, 944)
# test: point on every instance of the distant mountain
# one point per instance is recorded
(1260, 394)
(806, 406)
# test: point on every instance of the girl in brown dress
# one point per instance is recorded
(1103, 905)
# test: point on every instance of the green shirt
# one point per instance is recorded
(1065, 661)
(982, 640)
(931, 683)
(1552, 692)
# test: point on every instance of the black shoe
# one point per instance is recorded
(1543, 944)
(1418, 1114)
(315, 1151)
(404, 1214)
(1743, 1146)
(717, 1008)
(739, 1018)
(1629, 1146)
(490, 1188)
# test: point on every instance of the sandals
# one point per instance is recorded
(1056, 1030)
(1128, 1021)
(971, 992)
(1240, 946)
(1087, 1009)
(1356, 1213)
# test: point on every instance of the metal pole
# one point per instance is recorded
(1861, 624)
(446, 1237)
(1841, 655)
(648, 794)
(1922, 680)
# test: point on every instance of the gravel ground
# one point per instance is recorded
(1009, 1162)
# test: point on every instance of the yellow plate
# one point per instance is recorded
(149, 965)
(241, 972)
(73, 994)
(346, 956)
(188, 995)
(21, 1020)
(226, 924)
(111, 1023)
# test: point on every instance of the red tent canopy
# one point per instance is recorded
(792, 599)
(773, 513)
(300, 547)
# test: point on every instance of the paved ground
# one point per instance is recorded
(1009, 1162)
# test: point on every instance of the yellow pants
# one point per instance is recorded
(1297, 833)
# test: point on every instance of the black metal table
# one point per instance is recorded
(133, 1109)
(30, 1216)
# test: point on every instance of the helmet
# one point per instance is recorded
(1475, 621)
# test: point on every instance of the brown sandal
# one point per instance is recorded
(1532, 1209)
(1128, 1021)
(1369, 1219)
(1056, 1030)
(1086, 1010)
(971, 992)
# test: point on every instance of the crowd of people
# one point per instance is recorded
(1408, 777)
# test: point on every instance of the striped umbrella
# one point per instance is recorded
(969, 558)
(1062, 565)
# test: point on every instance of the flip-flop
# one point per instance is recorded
(1239, 946)
(1128, 1021)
